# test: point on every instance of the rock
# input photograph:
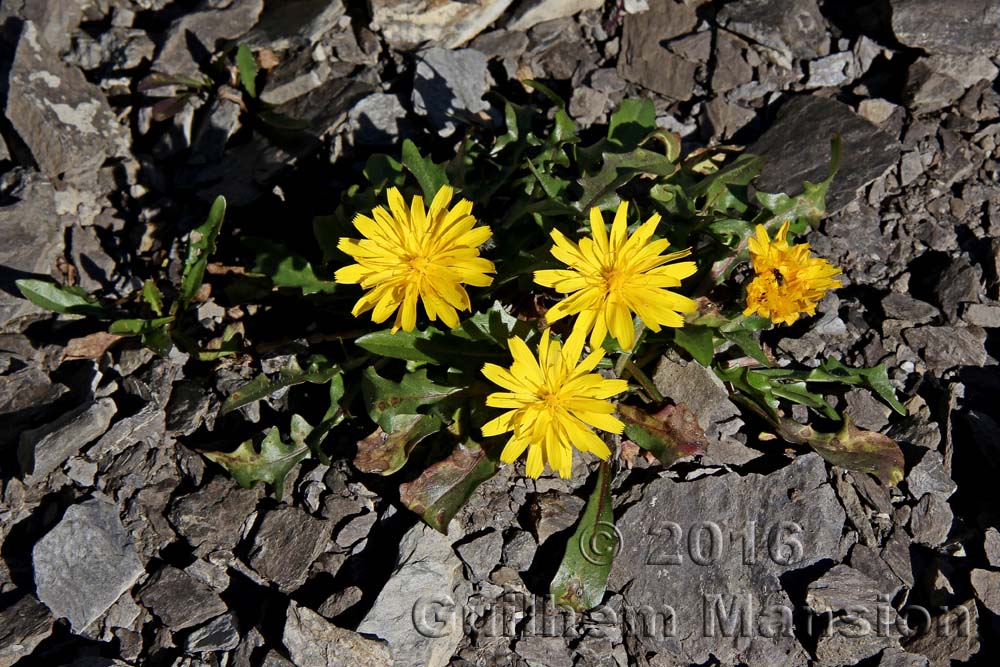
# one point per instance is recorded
(85, 563)
(519, 550)
(341, 601)
(23, 626)
(788, 30)
(966, 70)
(219, 122)
(553, 512)
(378, 120)
(876, 110)
(449, 83)
(795, 155)
(943, 348)
(214, 516)
(867, 411)
(991, 545)
(541, 651)
(44, 449)
(294, 24)
(954, 636)
(931, 520)
(970, 27)
(731, 66)
(904, 307)
(692, 384)
(842, 588)
(481, 554)
(449, 23)
(726, 118)
(146, 425)
(899, 658)
(695, 554)
(189, 407)
(312, 641)
(412, 611)
(286, 544)
(587, 105)
(961, 283)
(643, 59)
(356, 529)
(194, 37)
(835, 69)
(219, 634)
(987, 586)
(982, 315)
(929, 90)
(866, 560)
(531, 14)
(62, 119)
(929, 476)
(179, 600)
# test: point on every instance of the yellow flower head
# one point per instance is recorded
(409, 254)
(552, 403)
(789, 280)
(609, 278)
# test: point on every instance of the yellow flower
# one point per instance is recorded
(609, 278)
(552, 402)
(789, 280)
(410, 254)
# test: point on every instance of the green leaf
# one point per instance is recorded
(285, 268)
(748, 344)
(384, 171)
(152, 295)
(66, 300)
(138, 327)
(386, 399)
(875, 379)
(158, 340)
(441, 490)
(247, 65)
(617, 169)
(430, 176)
(228, 344)
(318, 370)
(272, 463)
(696, 341)
(583, 573)
(672, 433)
(384, 453)
(631, 123)
(201, 245)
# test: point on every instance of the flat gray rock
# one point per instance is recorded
(85, 563)
(711, 554)
(23, 626)
(180, 600)
(312, 641)
(286, 544)
(42, 450)
(195, 36)
(451, 23)
(645, 61)
(219, 634)
(957, 641)
(956, 26)
(213, 517)
(929, 476)
(788, 29)
(411, 612)
(987, 586)
(449, 83)
(797, 146)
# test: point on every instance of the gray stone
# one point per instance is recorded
(286, 544)
(726, 117)
(843, 588)
(929, 476)
(587, 105)
(966, 70)
(23, 626)
(411, 611)
(795, 154)
(987, 586)
(943, 348)
(450, 23)
(970, 27)
(866, 560)
(481, 554)
(180, 600)
(46, 448)
(929, 90)
(540, 651)
(835, 69)
(643, 59)
(982, 315)
(312, 641)
(85, 563)
(931, 519)
(219, 634)
(867, 411)
(341, 601)
(219, 122)
(876, 110)
(63, 119)
(449, 83)
(731, 66)
(519, 550)
(899, 658)
(189, 407)
(687, 552)
(991, 545)
(356, 529)
(692, 384)
(377, 120)
(531, 14)
(553, 512)
(26, 390)
(296, 23)
(194, 37)
(788, 29)
(214, 516)
(146, 425)
(840, 643)
(954, 636)
(896, 554)
(961, 283)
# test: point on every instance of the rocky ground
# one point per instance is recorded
(124, 546)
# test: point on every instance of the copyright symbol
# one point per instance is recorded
(600, 543)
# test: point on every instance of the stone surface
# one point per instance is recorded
(23, 625)
(553, 512)
(987, 586)
(425, 583)
(991, 545)
(194, 37)
(530, 14)
(449, 23)
(312, 641)
(841, 589)
(929, 476)
(796, 154)
(788, 29)
(700, 389)
(686, 553)
(180, 600)
(214, 516)
(645, 61)
(62, 119)
(286, 544)
(378, 120)
(481, 554)
(85, 563)
(943, 348)
(954, 636)
(219, 634)
(931, 519)
(959, 26)
(904, 307)
(449, 83)
(46, 448)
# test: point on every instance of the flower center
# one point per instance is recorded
(614, 279)
(550, 399)
(419, 263)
